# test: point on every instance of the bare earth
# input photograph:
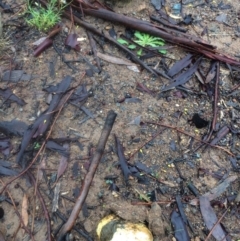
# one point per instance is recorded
(108, 87)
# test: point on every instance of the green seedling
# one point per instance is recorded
(109, 182)
(144, 40)
(36, 146)
(45, 18)
(156, 175)
(142, 196)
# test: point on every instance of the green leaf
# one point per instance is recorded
(139, 35)
(152, 44)
(158, 42)
(132, 46)
(140, 42)
(139, 52)
(158, 39)
(163, 51)
(122, 41)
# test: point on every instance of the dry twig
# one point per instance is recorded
(89, 176)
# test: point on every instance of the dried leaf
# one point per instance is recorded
(167, 183)
(135, 121)
(7, 171)
(223, 6)
(199, 77)
(215, 192)
(63, 163)
(5, 146)
(75, 169)
(157, 4)
(184, 77)
(122, 160)
(193, 189)
(235, 164)
(56, 147)
(114, 60)
(218, 190)
(7, 94)
(39, 41)
(221, 133)
(194, 202)
(56, 197)
(181, 209)
(24, 209)
(112, 32)
(212, 72)
(17, 75)
(180, 65)
(222, 18)
(14, 127)
(41, 167)
(173, 146)
(142, 167)
(143, 88)
(133, 100)
(210, 219)
(80, 95)
(180, 230)
(72, 41)
(133, 68)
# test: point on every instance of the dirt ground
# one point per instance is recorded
(107, 89)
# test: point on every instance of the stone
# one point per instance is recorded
(155, 221)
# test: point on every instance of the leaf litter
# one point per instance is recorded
(42, 123)
(150, 166)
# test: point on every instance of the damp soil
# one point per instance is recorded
(161, 154)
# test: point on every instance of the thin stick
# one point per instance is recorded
(43, 205)
(220, 219)
(72, 21)
(216, 97)
(145, 143)
(35, 192)
(89, 176)
(19, 215)
(215, 104)
(215, 108)
(187, 134)
(94, 49)
(150, 203)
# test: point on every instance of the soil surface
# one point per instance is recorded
(171, 156)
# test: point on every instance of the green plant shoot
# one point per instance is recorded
(44, 18)
(144, 40)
